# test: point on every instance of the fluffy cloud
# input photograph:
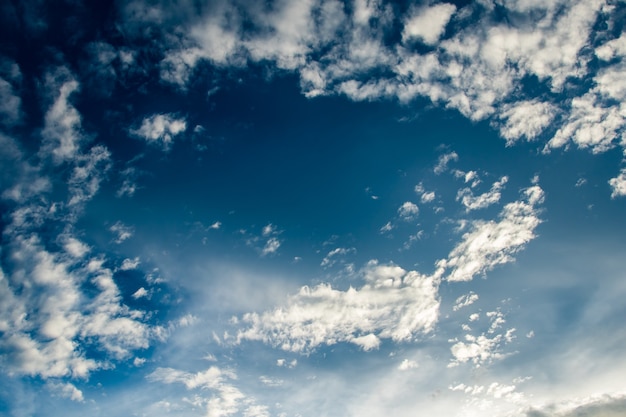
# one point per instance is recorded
(472, 202)
(160, 129)
(492, 243)
(428, 24)
(408, 211)
(618, 184)
(393, 304)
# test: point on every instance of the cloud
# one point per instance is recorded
(465, 300)
(121, 231)
(226, 399)
(66, 390)
(49, 323)
(444, 160)
(10, 101)
(595, 406)
(407, 364)
(618, 184)
(393, 304)
(329, 260)
(271, 246)
(472, 202)
(408, 211)
(492, 243)
(160, 129)
(62, 135)
(427, 24)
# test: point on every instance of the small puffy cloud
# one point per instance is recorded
(618, 184)
(140, 293)
(215, 226)
(443, 161)
(408, 211)
(75, 247)
(271, 246)
(160, 129)
(268, 230)
(428, 24)
(427, 197)
(465, 300)
(472, 202)
(128, 264)
(121, 231)
(407, 364)
(388, 227)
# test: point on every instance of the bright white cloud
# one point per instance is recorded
(465, 300)
(618, 184)
(408, 211)
(428, 24)
(160, 129)
(393, 304)
(271, 246)
(492, 243)
(471, 202)
(407, 364)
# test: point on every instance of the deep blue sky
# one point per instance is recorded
(312, 208)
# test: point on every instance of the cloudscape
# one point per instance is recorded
(304, 208)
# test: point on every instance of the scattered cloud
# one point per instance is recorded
(427, 24)
(408, 211)
(471, 202)
(160, 129)
(491, 243)
(121, 231)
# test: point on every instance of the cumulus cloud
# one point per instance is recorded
(471, 202)
(160, 129)
(408, 211)
(492, 243)
(393, 304)
(444, 160)
(428, 24)
(121, 231)
(618, 184)
(465, 300)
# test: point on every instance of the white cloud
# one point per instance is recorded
(62, 131)
(10, 102)
(465, 300)
(87, 175)
(271, 246)
(140, 293)
(407, 364)
(525, 119)
(161, 129)
(493, 243)
(128, 264)
(75, 247)
(484, 200)
(444, 160)
(330, 258)
(226, 399)
(618, 184)
(45, 342)
(408, 211)
(121, 231)
(388, 227)
(215, 226)
(428, 24)
(394, 304)
(66, 390)
(427, 197)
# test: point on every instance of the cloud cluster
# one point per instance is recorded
(393, 304)
(62, 314)
(478, 58)
(160, 129)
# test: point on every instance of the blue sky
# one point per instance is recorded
(313, 208)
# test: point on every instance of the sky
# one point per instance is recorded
(313, 208)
